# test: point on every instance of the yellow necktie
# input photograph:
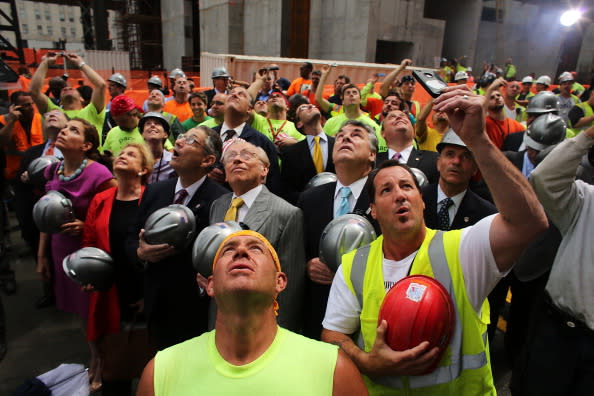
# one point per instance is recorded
(317, 155)
(231, 214)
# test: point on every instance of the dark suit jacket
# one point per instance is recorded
(421, 159)
(298, 168)
(317, 205)
(174, 308)
(516, 158)
(513, 141)
(281, 223)
(471, 210)
(256, 138)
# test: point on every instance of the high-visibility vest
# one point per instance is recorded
(465, 367)
(585, 106)
(20, 142)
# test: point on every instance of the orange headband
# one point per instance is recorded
(249, 233)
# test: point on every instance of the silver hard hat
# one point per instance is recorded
(220, 72)
(342, 235)
(156, 115)
(546, 130)
(177, 72)
(90, 266)
(37, 167)
(450, 137)
(543, 102)
(320, 179)
(154, 80)
(527, 80)
(207, 243)
(51, 211)
(174, 225)
(420, 176)
(544, 80)
(118, 78)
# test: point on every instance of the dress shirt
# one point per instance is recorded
(238, 129)
(457, 201)
(323, 146)
(191, 189)
(404, 154)
(57, 152)
(248, 200)
(356, 189)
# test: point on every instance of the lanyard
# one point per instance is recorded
(275, 132)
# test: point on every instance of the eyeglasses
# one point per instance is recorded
(189, 139)
(304, 107)
(243, 154)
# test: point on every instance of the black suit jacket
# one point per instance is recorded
(472, 209)
(317, 205)
(298, 168)
(513, 141)
(516, 158)
(421, 159)
(174, 308)
(251, 135)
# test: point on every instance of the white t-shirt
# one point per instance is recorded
(478, 266)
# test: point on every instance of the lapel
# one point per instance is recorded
(466, 213)
(259, 212)
(415, 158)
(330, 162)
(303, 157)
(430, 199)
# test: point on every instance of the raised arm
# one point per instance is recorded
(495, 85)
(391, 77)
(324, 104)
(257, 85)
(13, 116)
(41, 99)
(421, 125)
(521, 216)
(98, 97)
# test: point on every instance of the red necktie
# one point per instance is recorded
(181, 196)
(50, 149)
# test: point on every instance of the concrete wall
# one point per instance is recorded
(461, 29)
(585, 65)
(214, 36)
(172, 24)
(339, 29)
(262, 27)
(532, 39)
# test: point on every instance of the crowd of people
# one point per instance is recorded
(508, 165)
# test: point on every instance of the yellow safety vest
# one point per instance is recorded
(465, 367)
(585, 106)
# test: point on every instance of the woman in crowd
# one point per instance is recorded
(110, 215)
(79, 177)
(155, 130)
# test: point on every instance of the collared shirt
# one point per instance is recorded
(404, 154)
(323, 146)
(162, 169)
(527, 166)
(356, 189)
(57, 152)
(452, 210)
(248, 200)
(191, 189)
(238, 129)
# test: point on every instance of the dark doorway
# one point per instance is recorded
(393, 51)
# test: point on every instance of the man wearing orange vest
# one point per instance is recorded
(20, 129)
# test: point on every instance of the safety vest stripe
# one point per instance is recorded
(441, 271)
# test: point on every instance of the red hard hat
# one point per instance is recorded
(418, 308)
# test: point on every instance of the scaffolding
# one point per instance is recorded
(10, 23)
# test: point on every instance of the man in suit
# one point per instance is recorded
(176, 308)
(399, 134)
(246, 168)
(235, 124)
(450, 204)
(354, 155)
(304, 160)
(26, 194)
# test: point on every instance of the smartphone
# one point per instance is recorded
(430, 80)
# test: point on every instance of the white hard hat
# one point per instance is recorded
(544, 80)
(565, 76)
(527, 79)
(461, 75)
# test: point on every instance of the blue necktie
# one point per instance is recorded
(443, 216)
(343, 206)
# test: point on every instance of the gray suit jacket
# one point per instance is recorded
(282, 224)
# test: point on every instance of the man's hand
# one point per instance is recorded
(217, 175)
(74, 228)
(498, 83)
(74, 58)
(384, 361)
(326, 69)
(405, 62)
(319, 272)
(590, 132)
(152, 253)
(464, 110)
(50, 58)
(14, 113)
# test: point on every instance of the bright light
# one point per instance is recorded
(570, 17)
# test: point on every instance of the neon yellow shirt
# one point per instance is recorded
(260, 123)
(89, 113)
(430, 143)
(292, 365)
(333, 125)
(117, 139)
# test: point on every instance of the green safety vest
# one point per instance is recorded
(465, 367)
(585, 106)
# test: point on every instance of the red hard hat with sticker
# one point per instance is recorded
(418, 308)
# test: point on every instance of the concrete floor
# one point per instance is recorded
(40, 340)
